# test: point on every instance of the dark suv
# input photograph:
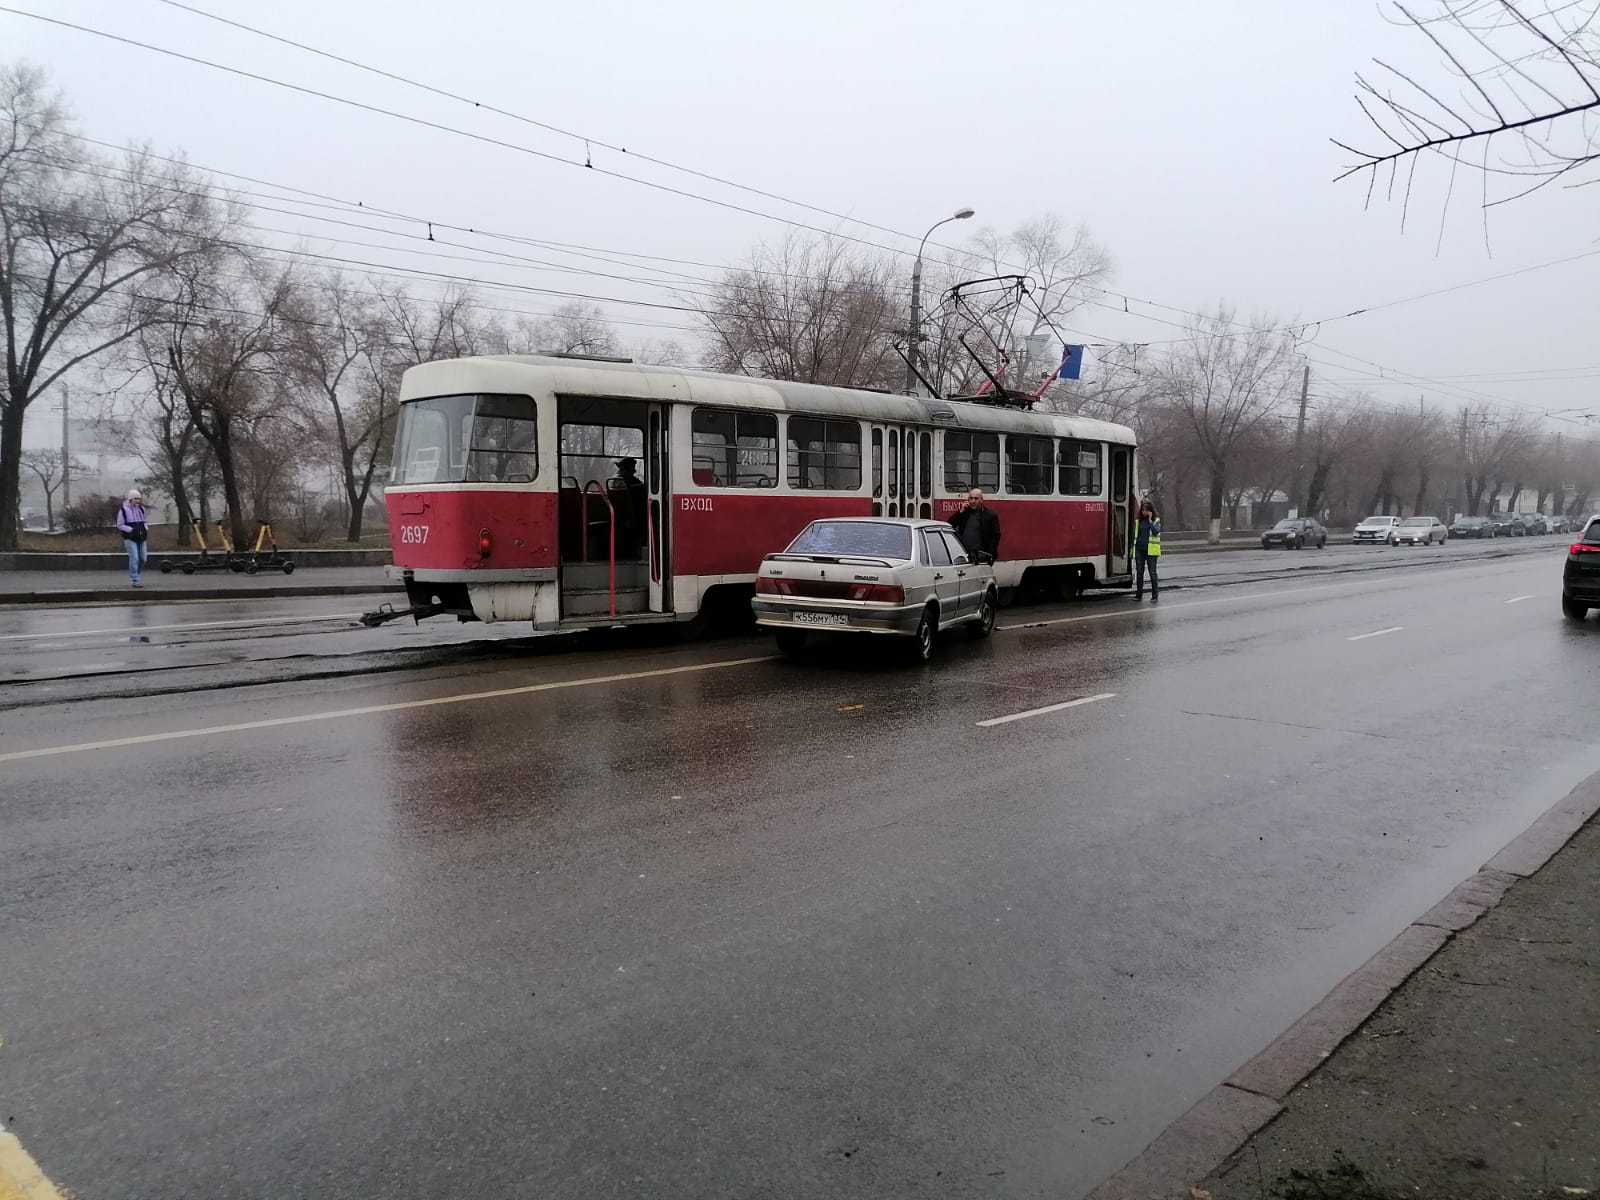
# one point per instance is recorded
(1580, 584)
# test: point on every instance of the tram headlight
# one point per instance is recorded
(484, 544)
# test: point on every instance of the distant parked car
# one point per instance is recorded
(1580, 581)
(1507, 525)
(874, 575)
(1421, 531)
(1558, 524)
(1376, 530)
(1295, 533)
(1473, 527)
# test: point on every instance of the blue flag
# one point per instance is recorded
(1071, 363)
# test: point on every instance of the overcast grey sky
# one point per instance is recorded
(1191, 137)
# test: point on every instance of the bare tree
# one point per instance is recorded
(1333, 435)
(76, 232)
(659, 352)
(810, 310)
(1429, 446)
(50, 466)
(1517, 103)
(419, 330)
(1493, 444)
(577, 327)
(1042, 271)
(226, 347)
(1060, 264)
(342, 353)
(1225, 382)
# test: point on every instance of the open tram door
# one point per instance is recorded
(614, 508)
(659, 518)
(1118, 557)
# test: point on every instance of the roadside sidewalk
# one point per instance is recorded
(1478, 1077)
(83, 587)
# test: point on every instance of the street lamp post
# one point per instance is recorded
(914, 348)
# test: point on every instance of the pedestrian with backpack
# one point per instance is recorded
(132, 524)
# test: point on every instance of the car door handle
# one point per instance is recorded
(938, 574)
(961, 574)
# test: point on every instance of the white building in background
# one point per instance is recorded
(100, 448)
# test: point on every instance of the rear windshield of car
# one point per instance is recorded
(1591, 535)
(1415, 521)
(865, 538)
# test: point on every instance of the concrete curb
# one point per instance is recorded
(1226, 1117)
(158, 596)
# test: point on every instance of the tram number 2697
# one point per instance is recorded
(413, 535)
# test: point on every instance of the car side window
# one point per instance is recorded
(958, 552)
(938, 553)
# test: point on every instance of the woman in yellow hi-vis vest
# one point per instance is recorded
(1147, 551)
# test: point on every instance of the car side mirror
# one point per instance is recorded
(983, 558)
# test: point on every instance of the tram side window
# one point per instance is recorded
(504, 446)
(824, 455)
(734, 449)
(971, 460)
(1028, 465)
(1080, 468)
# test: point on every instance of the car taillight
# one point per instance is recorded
(484, 545)
(772, 587)
(881, 593)
(1583, 548)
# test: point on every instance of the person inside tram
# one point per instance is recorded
(632, 508)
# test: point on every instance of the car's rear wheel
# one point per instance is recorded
(792, 642)
(1574, 610)
(984, 625)
(927, 633)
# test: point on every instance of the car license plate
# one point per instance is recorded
(809, 618)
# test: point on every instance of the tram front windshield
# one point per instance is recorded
(477, 438)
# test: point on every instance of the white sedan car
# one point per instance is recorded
(1376, 530)
(908, 578)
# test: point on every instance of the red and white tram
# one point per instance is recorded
(574, 492)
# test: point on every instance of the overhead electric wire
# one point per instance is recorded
(444, 128)
(587, 139)
(376, 109)
(351, 207)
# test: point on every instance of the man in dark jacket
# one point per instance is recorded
(977, 525)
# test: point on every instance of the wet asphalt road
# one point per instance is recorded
(693, 921)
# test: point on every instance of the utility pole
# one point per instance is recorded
(914, 340)
(1300, 445)
(66, 456)
(914, 334)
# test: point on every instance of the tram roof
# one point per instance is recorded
(544, 374)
